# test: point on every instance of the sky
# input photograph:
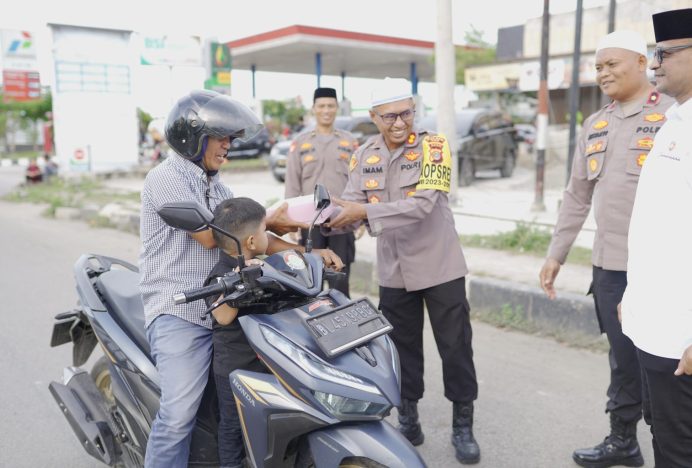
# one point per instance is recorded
(233, 19)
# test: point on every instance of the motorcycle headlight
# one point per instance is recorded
(340, 406)
(313, 365)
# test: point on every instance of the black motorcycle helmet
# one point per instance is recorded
(205, 113)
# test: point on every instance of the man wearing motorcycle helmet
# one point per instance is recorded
(200, 128)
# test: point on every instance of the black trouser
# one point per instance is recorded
(625, 389)
(668, 410)
(448, 311)
(231, 352)
(344, 245)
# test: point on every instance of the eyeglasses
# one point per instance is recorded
(660, 51)
(390, 118)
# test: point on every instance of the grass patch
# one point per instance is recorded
(249, 164)
(74, 193)
(524, 239)
(21, 154)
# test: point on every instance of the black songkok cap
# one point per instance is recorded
(674, 24)
(324, 92)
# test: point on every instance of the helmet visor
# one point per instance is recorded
(224, 116)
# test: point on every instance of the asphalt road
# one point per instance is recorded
(538, 399)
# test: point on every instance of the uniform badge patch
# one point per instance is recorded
(645, 143)
(600, 124)
(352, 163)
(436, 173)
(343, 156)
(374, 159)
(371, 184)
(374, 199)
(655, 117)
(594, 147)
(411, 138)
(308, 158)
(344, 143)
(593, 165)
(306, 146)
(412, 155)
(410, 193)
(641, 158)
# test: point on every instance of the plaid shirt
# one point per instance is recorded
(171, 261)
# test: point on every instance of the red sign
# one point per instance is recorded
(20, 85)
(79, 154)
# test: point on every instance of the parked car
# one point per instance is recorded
(253, 148)
(486, 141)
(362, 128)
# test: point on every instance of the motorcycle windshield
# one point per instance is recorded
(292, 264)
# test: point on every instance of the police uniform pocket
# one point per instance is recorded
(639, 146)
(373, 186)
(595, 155)
(408, 179)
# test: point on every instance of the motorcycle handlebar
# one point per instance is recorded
(222, 287)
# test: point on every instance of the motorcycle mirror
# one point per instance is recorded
(322, 199)
(188, 215)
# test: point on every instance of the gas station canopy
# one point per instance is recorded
(306, 49)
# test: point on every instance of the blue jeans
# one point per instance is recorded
(182, 353)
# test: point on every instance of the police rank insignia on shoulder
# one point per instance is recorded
(411, 138)
(352, 163)
(655, 117)
(600, 124)
(436, 173)
(374, 159)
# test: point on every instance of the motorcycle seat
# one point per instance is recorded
(120, 290)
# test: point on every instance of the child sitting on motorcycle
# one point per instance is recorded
(245, 219)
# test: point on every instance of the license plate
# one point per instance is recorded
(346, 327)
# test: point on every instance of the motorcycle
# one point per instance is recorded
(333, 372)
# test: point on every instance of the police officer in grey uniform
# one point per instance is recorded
(611, 151)
(398, 185)
(321, 156)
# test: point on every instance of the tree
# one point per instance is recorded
(476, 52)
(25, 115)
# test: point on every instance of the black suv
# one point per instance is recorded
(487, 141)
(253, 148)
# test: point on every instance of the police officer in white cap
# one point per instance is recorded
(612, 148)
(398, 186)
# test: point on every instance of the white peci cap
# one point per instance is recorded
(628, 40)
(390, 90)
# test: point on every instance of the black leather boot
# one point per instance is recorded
(619, 448)
(408, 422)
(466, 447)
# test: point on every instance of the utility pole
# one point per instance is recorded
(445, 76)
(611, 27)
(542, 117)
(611, 17)
(574, 90)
